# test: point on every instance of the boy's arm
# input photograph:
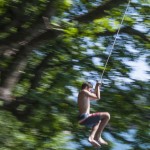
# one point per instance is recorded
(92, 96)
(97, 90)
(96, 94)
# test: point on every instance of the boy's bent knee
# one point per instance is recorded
(107, 115)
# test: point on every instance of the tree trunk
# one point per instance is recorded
(11, 76)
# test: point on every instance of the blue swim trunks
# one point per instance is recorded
(89, 120)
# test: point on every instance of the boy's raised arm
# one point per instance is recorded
(97, 90)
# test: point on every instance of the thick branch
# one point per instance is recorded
(132, 31)
(129, 30)
(26, 35)
(100, 11)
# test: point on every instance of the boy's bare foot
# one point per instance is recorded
(101, 141)
(94, 142)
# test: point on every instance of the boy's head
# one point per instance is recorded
(87, 85)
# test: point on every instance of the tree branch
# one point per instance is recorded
(129, 30)
(26, 35)
(100, 11)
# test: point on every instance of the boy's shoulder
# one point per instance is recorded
(83, 92)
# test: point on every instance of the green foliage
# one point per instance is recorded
(10, 134)
(46, 116)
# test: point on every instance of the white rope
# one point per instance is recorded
(101, 79)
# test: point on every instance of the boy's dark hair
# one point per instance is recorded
(86, 84)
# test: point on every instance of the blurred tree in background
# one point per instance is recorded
(48, 48)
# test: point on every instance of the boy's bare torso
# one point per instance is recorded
(83, 102)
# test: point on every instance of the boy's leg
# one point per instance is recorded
(92, 135)
(105, 116)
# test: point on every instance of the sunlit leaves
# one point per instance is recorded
(63, 5)
(106, 24)
(71, 31)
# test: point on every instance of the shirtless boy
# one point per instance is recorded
(97, 120)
